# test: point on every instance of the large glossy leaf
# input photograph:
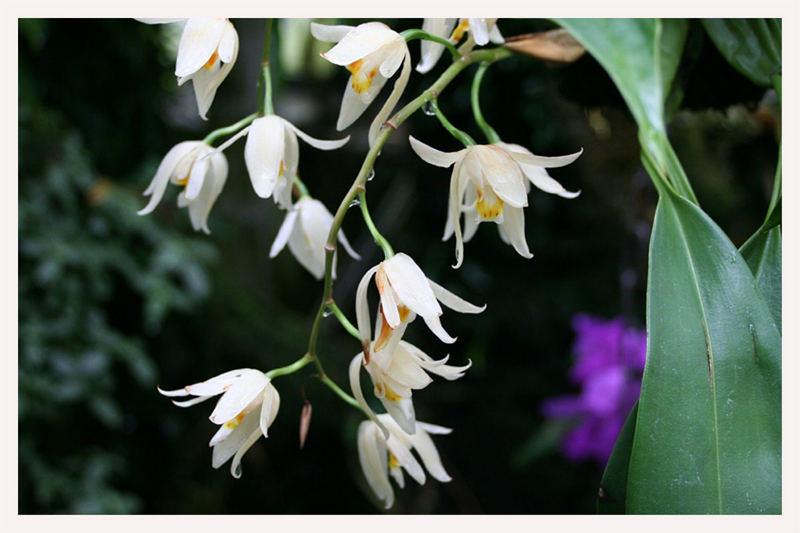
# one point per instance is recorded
(752, 46)
(763, 256)
(641, 56)
(613, 486)
(708, 431)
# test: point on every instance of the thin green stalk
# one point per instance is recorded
(410, 35)
(380, 240)
(340, 393)
(493, 54)
(488, 131)
(351, 329)
(289, 369)
(301, 189)
(462, 136)
(265, 80)
(227, 130)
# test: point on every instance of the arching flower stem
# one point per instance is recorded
(488, 131)
(462, 136)
(380, 240)
(351, 329)
(265, 80)
(410, 35)
(227, 130)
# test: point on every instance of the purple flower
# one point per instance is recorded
(609, 360)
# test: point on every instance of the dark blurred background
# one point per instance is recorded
(111, 304)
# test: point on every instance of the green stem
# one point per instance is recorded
(380, 240)
(289, 369)
(265, 80)
(493, 54)
(488, 131)
(227, 130)
(339, 392)
(351, 329)
(301, 189)
(410, 35)
(462, 136)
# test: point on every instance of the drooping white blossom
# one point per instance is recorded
(206, 54)
(491, 183)
(245, 411)
(372, 53)
(306, 229)
(405, 292)
(381, 456)
(481, 31)
(201, 172)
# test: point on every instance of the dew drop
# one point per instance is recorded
(427, 108)
(326, 314)
(371, 174)
(355, 202)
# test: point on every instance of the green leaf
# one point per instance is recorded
(763, 256)
(613, 485)
(708, 431)
(751, 46)
(642, 57)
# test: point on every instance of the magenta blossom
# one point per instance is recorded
(609, 360)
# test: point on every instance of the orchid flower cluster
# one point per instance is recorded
(489, 183)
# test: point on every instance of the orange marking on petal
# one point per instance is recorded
(386, 332)
(393, 461)
(404, 312)
(459, 30)
(489, 207)
(211, 61)
(361, 80)
(234, 422)
(184, 180)
(391, 395)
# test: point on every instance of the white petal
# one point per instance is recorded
(159, 21)
(514, 228)
(362, 305)
(317, 143)
(199, 41)
(263, 153)
(362, 40)
(494, 35)
(206, 82)
(228, 445)
(197, 176)
(434, 156)
(354, 371)
(542, 180)
(402, 411)
(283, 233)
(307, 241)
(479, 31)
(193, 401)
(329, 34)
(354, 104)
(343, 240)
(173, 393)
(435, 325)
(200, 208)
(433, 429)
(165, 169)
(238, 397)
(394, 96)
(542, 161)
(217, 384)
(269, 408)
(236, 469)
(430, 51)
(372, 457)
(392, 62)
(429, 455)
(503, 174)
(452, 301)
(229, 44)
(388, 301)
(411, 286)
(406, 459)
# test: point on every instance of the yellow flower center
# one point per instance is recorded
(382, 391)
(393, 461)
(489, 206)
(361, 80)
(458, 32)
(211, 61)
(234, 422)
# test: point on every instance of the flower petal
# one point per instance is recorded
(246, 389)
(165, 169)
(479, 31)
(317, 143)
(269, 408)
(430, 52)
(452, 301)
(263, 153)
(513, 227)
(503, 174)
(430, 456)
(372, 457)
(199, 41)
(362, 40)
(355, 386)
(411, 286)
(542, 180)
(228, 44)
(217, 384)
(328, 33)
(542, 161)
(435, 325)
(434, 156)
(236, 468)
(362, 306)
(354, 104)
(283, 233)
(227, 446)
(394, 96)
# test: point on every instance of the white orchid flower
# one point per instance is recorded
(430, 52)
(405, 292)
(372, 53)
(306, 229)
(380, 455)
(490, 183)
(272, 155)
(246, 410)
(202, 173)
(396, 371)
(206, 53)
(481, 32)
